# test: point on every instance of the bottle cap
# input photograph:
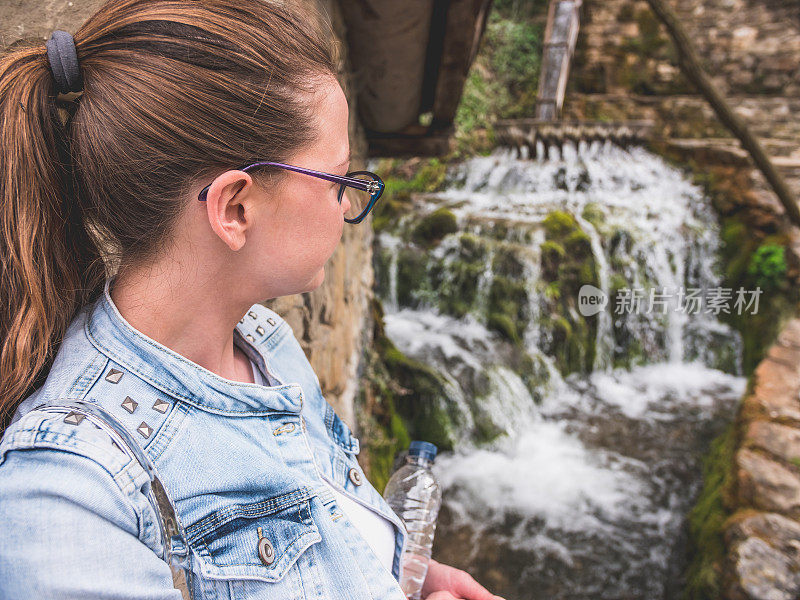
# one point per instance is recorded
(422, 449)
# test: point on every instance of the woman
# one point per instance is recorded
(157, 175)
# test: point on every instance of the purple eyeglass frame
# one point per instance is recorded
(373, 188)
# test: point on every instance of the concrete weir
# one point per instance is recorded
(539, 136)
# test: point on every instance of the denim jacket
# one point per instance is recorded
(240, 461)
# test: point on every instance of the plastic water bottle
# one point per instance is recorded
(414, 494)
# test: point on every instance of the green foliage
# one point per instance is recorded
(750, 262)
(516, 10)
(767, 266)
(504, 78)
(477, 103)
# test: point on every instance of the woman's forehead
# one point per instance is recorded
(333, 116)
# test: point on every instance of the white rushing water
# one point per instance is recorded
(583, 493)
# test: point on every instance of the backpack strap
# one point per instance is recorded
(176, 549)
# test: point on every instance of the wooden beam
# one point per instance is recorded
(403, 146)
(466, 21)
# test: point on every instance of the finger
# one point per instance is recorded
(442, 595)
(465, 586)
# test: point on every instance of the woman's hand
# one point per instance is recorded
(448, 583)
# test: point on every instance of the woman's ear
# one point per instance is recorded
(228, 204)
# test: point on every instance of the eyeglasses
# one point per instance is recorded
(368, 184)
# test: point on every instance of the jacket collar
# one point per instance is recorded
(182, 379)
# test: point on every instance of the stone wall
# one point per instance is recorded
(329, 322)
(762, 536)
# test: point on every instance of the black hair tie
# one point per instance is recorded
(63, 59)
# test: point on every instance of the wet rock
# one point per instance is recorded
(777, 378)
(780, 440)
(763, 573)
(780, 532)
(767, 485)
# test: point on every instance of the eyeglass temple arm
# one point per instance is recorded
(360, 184)
(365, 186)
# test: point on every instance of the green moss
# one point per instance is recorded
(559, 223)
(578, 241)
(411, 274)
(587, 273)
(454, 280)
(433, 227)
(562, 327)
(707, 517)
(485, 430)
(617, 282)
(393, 203)
(593, 213)
(507, 308)
(567, 264)
(381, 262)
(552, 249)
(552, 291)
(506, 262)
(428, 176)
(399, 399)
(472, 248)
(505, 326)
(423, 406)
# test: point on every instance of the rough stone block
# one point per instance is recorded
(767, 485)
(763, 573)
(780, 440)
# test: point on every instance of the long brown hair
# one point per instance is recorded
(174, 91)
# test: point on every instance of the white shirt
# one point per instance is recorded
(376, 530)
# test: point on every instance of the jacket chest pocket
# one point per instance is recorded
(260, 541)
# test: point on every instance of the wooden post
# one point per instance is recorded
(690, 66)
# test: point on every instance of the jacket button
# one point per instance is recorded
(355, 476)
(266, 551)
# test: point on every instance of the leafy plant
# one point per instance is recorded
(768, 266)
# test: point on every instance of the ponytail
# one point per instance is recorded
(174, 91)
(49, 264)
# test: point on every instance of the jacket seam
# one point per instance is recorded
(173, 354)
(88, 378)
(167, 431)
(178, 395)
(251, 511)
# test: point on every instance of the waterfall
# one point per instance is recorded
(579, 437)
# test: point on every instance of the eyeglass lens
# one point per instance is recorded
(359, 200)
